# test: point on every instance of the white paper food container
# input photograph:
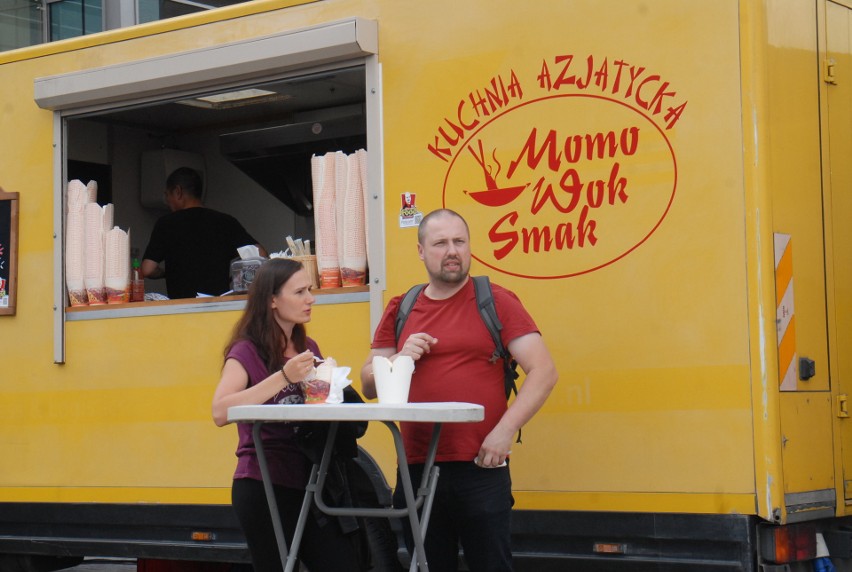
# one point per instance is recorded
(393, 379)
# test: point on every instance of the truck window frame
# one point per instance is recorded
(216, 68)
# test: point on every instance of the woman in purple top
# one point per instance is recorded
(266, 358)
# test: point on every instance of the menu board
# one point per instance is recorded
(8, 251)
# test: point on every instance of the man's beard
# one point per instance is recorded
(453, 276)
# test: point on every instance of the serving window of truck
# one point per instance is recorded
(252, 117)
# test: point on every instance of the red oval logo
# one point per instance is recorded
(562, 185)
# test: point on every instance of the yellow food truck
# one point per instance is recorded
(666, 185)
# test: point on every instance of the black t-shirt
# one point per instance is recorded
(197, 245)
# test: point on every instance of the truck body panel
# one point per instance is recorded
(664, 184)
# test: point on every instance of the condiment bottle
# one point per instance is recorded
(137, 283)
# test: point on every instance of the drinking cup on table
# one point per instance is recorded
(315, 390)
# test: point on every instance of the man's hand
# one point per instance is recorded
(495, 448)
(152, 269)
(417, 345)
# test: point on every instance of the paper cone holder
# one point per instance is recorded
(309, 263)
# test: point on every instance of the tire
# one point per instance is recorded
(36, 563)
(369, 489)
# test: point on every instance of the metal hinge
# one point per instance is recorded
(830, 77)
(842, 407)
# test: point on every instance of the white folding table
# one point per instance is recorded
(390, 415)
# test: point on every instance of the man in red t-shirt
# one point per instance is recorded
(452, 348)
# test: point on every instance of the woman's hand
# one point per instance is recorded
(299, 366)
(233, 386)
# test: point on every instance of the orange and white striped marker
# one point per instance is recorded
(785, 317)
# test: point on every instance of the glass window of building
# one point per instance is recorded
(30, 22)
(151, 10)
(21, 24)
(72, 18)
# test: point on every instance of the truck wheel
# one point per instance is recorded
(369, 489)
(36, 562)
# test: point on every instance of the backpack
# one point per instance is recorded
(488, 312)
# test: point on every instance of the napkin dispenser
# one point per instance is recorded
(243, 272)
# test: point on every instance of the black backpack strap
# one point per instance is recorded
(485, 301)
(405, 306)
(488, 311)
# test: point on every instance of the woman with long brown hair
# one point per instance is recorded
(269, 353)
